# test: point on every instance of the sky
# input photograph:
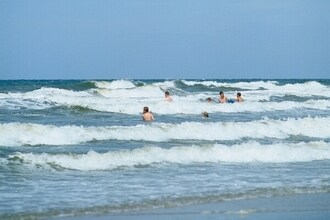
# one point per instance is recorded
(164, 39)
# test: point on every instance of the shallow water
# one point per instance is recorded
(75, 147)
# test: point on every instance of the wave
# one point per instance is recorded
(116, 84)
(38, 134)
(81, 86)
(148, 91)
(183, 106)
(129, 97)
(132, 100)
(242, 85)
(244, 153)
(306, 89)
(311, 87)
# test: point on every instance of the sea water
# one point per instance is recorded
(77, 147)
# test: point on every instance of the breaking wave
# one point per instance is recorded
(243, 153)
(242, 85)
(38, 134)
(116, 84)
(131, 101)
(311, 87)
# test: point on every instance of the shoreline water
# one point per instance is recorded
(299, 206)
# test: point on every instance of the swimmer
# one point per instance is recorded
(168, 98)
(147, 116)
(209, 99)
(205, 114)
(222, 98)
(239, 97)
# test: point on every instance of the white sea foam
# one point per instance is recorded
(243, 153)
(116, 84)
(147, 91)
(45, 96)
(131, 101)
(243, 85)
(18, 134)
(123, 96)
(306, 89)
(165, 84)
(310, 88)
(196, 107)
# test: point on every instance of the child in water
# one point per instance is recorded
(209, 99)
(147, 116)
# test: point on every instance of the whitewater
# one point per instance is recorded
(70, 147)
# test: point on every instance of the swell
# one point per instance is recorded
(202, 86)
(250, 152)
(38, 134)
(131, 101)
(128, 96)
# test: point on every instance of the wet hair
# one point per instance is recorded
(167, 93)
(145, 109)
(205, 114)
(239, 94)
(209, 99)
(220, 92)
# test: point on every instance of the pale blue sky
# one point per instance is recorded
(141, 39)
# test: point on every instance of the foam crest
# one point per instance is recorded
(310, 88)
(116, 84)
(146, 91)
(243, 85)
(306, 89)
(42, 98)
(183, 106)
(243, 153)
(125, 97)
(37, 134)
(165, 84)
(131, 101)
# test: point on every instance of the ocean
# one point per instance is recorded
(80, 147)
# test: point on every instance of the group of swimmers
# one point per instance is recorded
(148, 116)
(223, 99)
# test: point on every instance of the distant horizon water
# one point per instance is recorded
(203, 79)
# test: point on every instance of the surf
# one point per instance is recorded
(251, 152)
(31, 134)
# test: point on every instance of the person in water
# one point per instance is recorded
(205, 114)
(239, 97)
(168, 98)
(209, 99)
(222, 98)
(147, 116)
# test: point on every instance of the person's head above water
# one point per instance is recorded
(222, 95)
(239, 97)
(145, 109)
(205, 114)
(147, 115)
(168, 98)
(209, 99)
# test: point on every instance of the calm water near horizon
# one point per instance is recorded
(71, 147)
